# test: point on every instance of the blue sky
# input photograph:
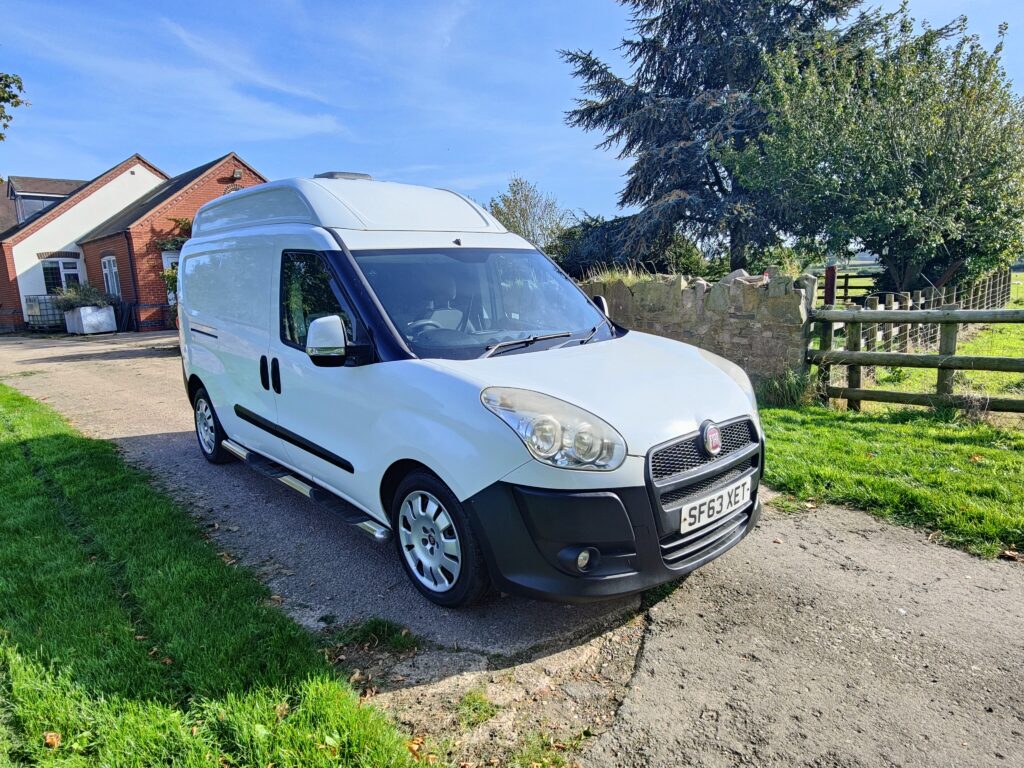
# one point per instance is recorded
(452, 93)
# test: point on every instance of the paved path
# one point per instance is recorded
(128, 388)
(827, 639)
(833, 640)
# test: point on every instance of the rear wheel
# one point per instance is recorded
(209, 432)
(436, 544)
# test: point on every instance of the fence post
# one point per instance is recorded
(887, 327)
(915, 328)
(947, 346)
(853, 344)
(830, 286)
(870, 334)
(825, 369)
(904, 338)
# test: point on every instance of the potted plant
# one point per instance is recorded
(170, 278)
(86, 309)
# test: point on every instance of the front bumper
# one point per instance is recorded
(530, 537)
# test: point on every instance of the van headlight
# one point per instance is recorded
(556, 432)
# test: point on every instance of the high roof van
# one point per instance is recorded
(394, 353)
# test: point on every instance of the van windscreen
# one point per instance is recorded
(458, 303)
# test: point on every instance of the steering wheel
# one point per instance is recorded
(419, 326)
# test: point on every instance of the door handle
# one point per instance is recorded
(275, 375)
(264, 373)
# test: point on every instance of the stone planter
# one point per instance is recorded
(84, 320)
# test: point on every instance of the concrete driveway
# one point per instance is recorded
(827, 638)
(128, 388)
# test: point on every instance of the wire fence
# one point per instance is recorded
(1002, 290)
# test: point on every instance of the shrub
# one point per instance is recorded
(785, 391)
(83, 295)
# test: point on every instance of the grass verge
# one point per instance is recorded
(965, 480)
(475, 708)
(126, 641)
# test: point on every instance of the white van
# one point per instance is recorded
(394, 353)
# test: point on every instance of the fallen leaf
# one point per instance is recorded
(167, 661)
(356, 677)
(1010, 554)
(977, 457)
(234, 528)
(141, 637)
(281, 710)
(276, 599)
(776, 541)
(51, 739)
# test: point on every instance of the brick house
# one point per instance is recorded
(122, 255)
(57, 232)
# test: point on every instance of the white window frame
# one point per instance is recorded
(111, 277)
(66, 267)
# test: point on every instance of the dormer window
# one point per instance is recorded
(29, 205)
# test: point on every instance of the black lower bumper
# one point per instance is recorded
(531, 538)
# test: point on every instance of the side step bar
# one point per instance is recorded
(321, 496)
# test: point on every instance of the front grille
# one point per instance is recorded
(673, 497)
(679, 473)
(685, 455)
(680, 550)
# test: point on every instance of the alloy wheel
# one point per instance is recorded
(429, 541)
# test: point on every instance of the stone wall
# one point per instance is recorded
(757, 322)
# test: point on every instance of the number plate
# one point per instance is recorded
(715, 505)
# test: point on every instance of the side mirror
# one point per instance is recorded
(602, 304)
(326, 341)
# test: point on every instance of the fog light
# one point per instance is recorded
(583, 559)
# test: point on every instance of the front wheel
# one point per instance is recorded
(436, 544)
(209, 432)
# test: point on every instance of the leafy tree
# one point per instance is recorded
(522, 208)
(11, 89)
(694, 64)
(594, 243)
(911, 147)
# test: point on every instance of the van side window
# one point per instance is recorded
(308, 292)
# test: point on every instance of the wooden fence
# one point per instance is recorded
(990, 292)
(861, 350)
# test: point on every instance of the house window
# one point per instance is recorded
(51, 274)
(59, 274)
(111, 280)
(27, 207)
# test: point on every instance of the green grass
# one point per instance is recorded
(475, 708)
(541, 749)
(378, 633)
(124, 632)
(965, 480)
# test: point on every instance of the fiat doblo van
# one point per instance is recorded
(394, 353)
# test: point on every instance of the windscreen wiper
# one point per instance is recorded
(494, 348)
(592, 334)
(596, 328)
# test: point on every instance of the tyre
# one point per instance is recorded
(209, 432)
(436, 543)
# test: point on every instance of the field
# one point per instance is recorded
(963, 480)
(125, 640)
(996, 340)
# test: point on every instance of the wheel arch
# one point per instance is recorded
(194, 385)
(394, 475)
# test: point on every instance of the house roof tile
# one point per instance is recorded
(27, 185)
(149, 202)
(57, 208)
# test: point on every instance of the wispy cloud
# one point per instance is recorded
(231, 59)
(214, 100)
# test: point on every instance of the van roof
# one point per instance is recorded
(346, 203)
